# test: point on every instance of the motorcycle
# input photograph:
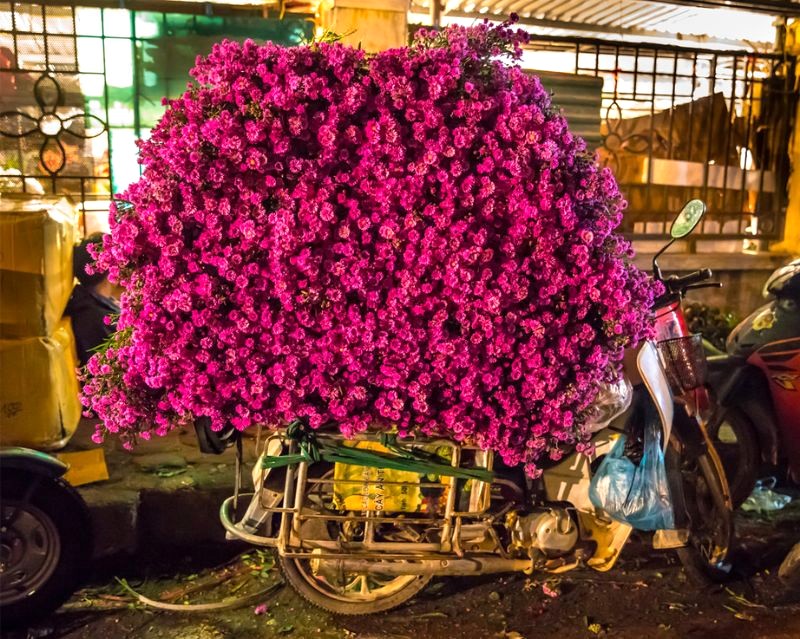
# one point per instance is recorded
(45, 536)
(757, 387)
(361, 525)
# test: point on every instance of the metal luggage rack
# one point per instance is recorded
(306, 504)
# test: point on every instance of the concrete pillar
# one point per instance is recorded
(375, 25)
(791, 230)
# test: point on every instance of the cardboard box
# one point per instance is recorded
(39, 404)
(85, 466)
(635, 169)
(36, 278)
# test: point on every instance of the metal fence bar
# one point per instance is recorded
(740, 165)
(788, 105)
(710, 133)
(757, 160)
(712, 123)
(730, 134)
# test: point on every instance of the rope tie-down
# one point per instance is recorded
(315, 448)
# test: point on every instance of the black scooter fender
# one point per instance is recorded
(32, 461)
(39, 469)
(737, 383)
(32, 482)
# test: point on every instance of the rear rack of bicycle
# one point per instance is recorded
(325, 495)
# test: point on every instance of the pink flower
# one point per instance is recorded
(412, 238)
(549, 591)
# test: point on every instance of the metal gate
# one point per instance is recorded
(679, 122)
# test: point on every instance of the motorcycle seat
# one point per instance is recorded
(718, 363)
(723, 368)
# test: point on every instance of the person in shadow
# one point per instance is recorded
(93, 300)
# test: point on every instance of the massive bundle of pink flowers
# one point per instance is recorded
(411, 239)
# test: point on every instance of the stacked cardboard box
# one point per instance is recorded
(39, 404)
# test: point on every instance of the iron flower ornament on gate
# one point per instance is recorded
(49, 97)
(615, 140)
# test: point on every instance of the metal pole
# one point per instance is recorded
(436, 13)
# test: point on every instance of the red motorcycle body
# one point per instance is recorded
(769, 339)
(670, 322)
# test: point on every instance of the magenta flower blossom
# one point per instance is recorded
(411, 239)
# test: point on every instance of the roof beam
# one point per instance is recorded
(648, 16)
(601, 14)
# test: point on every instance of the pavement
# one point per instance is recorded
(161, 500)
(646, 595)
(165, 494)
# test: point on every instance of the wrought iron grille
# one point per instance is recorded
(679, 123)
(80, 84)
(52, 139)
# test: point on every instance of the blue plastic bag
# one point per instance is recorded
(636, 495)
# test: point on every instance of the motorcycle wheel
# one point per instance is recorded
(705, 558)
(347, 593)
(355, 594)
(789, 572)
(736, 442)
(44, 549)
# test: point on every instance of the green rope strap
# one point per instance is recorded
(314, 448)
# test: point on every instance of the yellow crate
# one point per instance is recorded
(368, 489)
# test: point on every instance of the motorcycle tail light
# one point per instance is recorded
(684, 361)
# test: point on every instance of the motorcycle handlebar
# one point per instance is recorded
(676, 284)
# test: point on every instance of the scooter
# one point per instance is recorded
(757, 387)
(45, 536)
(789, 570)
(361, 525)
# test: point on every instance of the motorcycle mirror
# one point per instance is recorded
(686, 221)
(683, 224)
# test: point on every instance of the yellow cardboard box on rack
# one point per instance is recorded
(36, 241)
(39, 404)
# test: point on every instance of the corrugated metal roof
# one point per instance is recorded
(717, 23)
(731, 22)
